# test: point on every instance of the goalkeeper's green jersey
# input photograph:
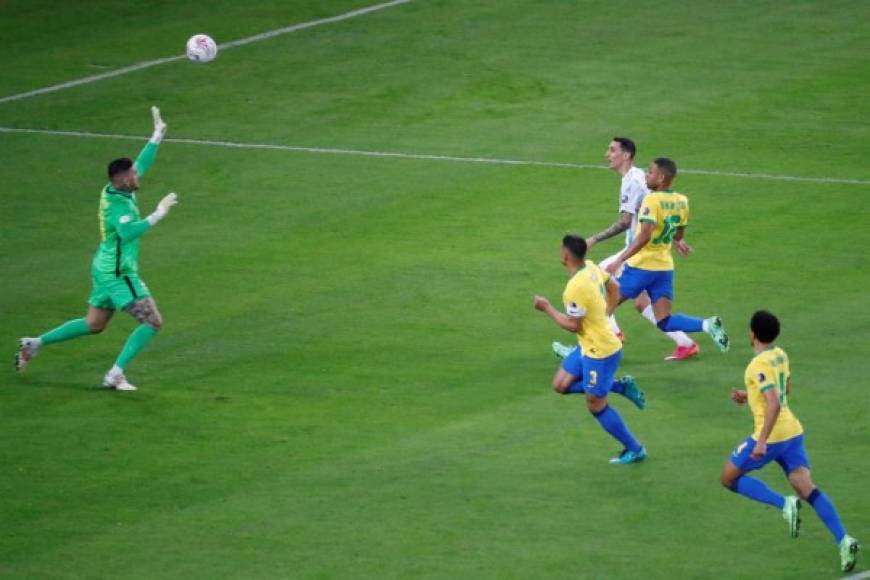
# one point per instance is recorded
(121, 226)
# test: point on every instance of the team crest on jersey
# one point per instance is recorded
(646, 211)
(574, 310)
(125, 219)
(624, 199)
(761, 378)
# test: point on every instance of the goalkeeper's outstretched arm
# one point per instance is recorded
(146, 157)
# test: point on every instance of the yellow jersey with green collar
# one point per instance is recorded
(584, 297)
(668, 210)
(769, 370)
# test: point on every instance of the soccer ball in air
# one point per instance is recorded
(201, 48)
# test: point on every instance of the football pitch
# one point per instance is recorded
(351, 381)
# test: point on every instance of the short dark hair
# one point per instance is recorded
(627, 145)
(765, 326)
(667, 166)
(119, 166)
(576, 245)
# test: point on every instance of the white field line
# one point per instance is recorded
(423, 156)
(224, 46)
(857, 576)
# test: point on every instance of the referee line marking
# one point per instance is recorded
(227, 45)
(858, 576)
(420, 156)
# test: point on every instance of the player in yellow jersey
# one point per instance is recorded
(778, 436)
(647, 264)
(589, 298)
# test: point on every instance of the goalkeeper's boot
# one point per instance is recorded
(115, 379)
(27, 349)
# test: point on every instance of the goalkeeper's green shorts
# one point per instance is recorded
(116, 292)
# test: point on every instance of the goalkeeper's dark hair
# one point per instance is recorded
(626, 145)
(667, 166)
(119, 166)
(576, 245)
(765, 326)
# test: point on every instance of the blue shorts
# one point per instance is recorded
(790, 454)
(656, 283)
(597, 373)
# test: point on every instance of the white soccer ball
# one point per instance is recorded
(201, 48)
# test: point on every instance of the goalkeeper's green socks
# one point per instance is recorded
(66, 331)
(134, 345)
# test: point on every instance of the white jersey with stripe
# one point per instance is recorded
(631, 193)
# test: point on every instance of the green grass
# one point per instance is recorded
(352, 381)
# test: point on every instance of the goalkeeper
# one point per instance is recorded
(115, 270)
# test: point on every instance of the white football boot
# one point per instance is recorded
(27, 349)
(115, 379)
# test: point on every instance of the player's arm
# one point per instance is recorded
(146, 157)
(616, 228)
(611, 294)
(570, 322)
(684, 249)
(770, 415)
(128, 229)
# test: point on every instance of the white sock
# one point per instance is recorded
(614, 325)
(679, 337)
(116, 370)
(706, 325)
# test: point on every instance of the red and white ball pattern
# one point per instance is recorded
(201, 48)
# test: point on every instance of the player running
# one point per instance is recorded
(591, 370)
(114, 270)
(620, 158)
(648, 263)
(778, 436)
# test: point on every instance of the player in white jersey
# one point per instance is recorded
(620, 158)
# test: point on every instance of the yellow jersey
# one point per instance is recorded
(668, 211)
(769, 370)
(584, 297)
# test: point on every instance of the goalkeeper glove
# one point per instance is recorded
(162, 208)
(159, 126)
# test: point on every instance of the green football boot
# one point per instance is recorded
(718, 334)
(848, 553)
(627, 457)
(633, 392)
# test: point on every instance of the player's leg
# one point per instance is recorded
(686, 347)
(93, 323)
(142, 307)
(734, 476)
(568, 379)
(661, 292)
(598, 381)
(795, 463)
